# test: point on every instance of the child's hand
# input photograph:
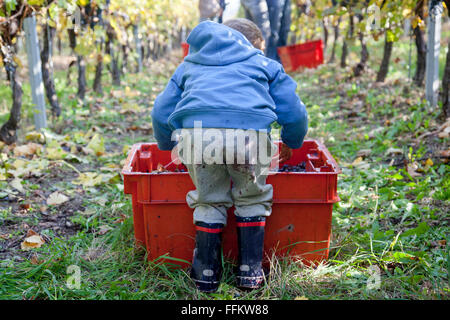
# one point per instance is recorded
(285, 152)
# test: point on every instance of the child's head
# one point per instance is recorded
(249, 30)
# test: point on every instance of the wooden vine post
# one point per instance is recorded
(138, 45)
(35, 72)
(432, 64)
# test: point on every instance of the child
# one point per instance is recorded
(228, 90)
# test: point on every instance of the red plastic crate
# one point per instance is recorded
(300, 223)
(185, 48)
(308, 55)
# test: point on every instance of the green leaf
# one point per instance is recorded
(10, 5)
(420, 229)
(390, 36)
(35, 2)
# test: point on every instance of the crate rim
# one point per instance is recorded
(127, 168)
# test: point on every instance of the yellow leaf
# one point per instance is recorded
(19, 163)
(357, 160)
(56, 153)
(35, 2)
(17, 184)
(51, 23)
(35, 136)
(106, 59)
(88, 179)
(83, 3)
(18, 61)
(27, 149)
(3, 176)
(57, 198)
(125, 149)
(97, 145)
(32, 240)
(415, 22)
(429, 162)
(110, 177)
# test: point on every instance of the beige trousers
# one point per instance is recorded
(221, 177)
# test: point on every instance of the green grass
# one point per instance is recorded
(386, 218)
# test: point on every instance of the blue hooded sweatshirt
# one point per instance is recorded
(227, 83)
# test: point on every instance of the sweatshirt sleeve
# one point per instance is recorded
(290, 110)
(164, 106)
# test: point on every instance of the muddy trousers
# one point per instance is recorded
(220, 186)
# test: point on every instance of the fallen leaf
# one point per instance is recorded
(110, 177)
(445, 129)
(74, 158)
(17, 184)
(34, 260)
(373, 133)
(49, 135)
(25, 168)
(25, 206)
(88, 212)
(88, 179)
(35, 137)
(4, 236)
(364, 152)
(56, 153)
(101, 200)
(445, 153)
(27, 149)
(32, 240)
(3, 176)
(121, 219)
(125, 149)
(97, 145)
(57, 198)
(104, 229)
(411, 168)
(355, 162)
(394, 151)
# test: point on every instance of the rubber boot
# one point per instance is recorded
(250, 232)
(206, 269)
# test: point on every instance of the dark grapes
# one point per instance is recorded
(301, 167)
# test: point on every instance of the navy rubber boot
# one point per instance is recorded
(206, 269)
(250, 232)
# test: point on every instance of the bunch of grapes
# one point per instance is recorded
(301, 167)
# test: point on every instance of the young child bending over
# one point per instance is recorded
(227, 92)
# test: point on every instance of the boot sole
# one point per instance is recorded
(241, 282)
(206, 286)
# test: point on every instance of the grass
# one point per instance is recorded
(389, 225)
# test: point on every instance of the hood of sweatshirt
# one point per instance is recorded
(214, 44)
